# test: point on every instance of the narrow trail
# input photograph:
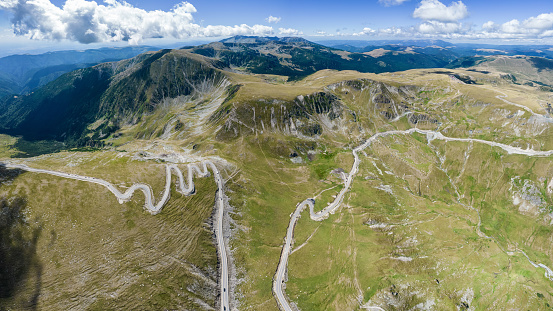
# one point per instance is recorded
(279, 279)
(186, 188)
(503, 97)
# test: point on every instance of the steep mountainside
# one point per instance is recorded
(86, 105)
(296, 57)
(421, 189)
(525, 70)
(24, 73)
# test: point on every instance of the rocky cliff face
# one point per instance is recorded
(305, 116)
(332, 111)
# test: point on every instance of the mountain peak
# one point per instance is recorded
(258, 40)
(249, 39)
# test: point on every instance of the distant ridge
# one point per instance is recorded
(363, 43)
(249, 39)
(258, 40)
(21, 74)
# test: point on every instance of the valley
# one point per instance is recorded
(429, 188)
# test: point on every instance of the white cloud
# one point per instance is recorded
(535, 27)
(87, 22)
(272, 19)
(366, 31)
(435, 27)
(548, 33)
(531, 29)
(540, 22)
(511, 27)
(225, 31)
(395, 31)
(434, 10)
(289, 32)
(490, 26)
(391, 2)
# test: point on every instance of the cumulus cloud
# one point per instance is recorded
(434, 10)
(391, 2)
(87, 22)
(272, 19)
(490, 26)
(448, 25)
(535, 27)
(366, 31)
(512, 26)
(540, 22)
(289, 32)
(435, 27)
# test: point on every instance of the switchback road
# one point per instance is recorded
(182, 187)
(279, 278)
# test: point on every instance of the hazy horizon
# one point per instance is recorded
(49, 25)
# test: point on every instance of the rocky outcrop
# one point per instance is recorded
(527, 196)
(305, 116)
(312, 115)
(417, 118)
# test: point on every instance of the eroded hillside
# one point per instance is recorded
(426, 223)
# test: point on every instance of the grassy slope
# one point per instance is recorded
(345, 260)
(96, 254)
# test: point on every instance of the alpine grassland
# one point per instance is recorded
(427, 222)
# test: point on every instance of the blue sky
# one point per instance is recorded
(45, 24)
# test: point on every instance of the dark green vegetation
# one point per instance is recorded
(87, 106)
(466, 62)
(52, 111)
(426, 224)
(26, 149)
(20, 74)
(541, 63)
(297, 58)
(110, 94)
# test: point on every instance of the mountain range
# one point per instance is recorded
(20, 74)
(85, 106)
(423, 182)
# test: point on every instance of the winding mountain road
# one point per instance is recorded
(183, 187)
(187, 188)
(279, 278)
